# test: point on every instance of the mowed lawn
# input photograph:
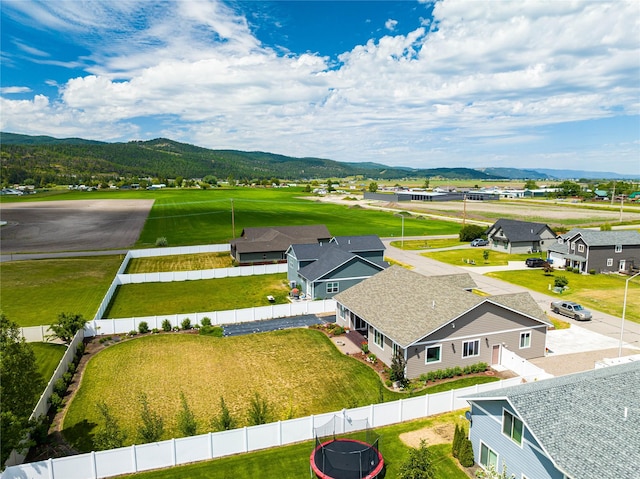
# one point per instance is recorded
(298, 371)
(48, 356)
(179, 262)
(292, 462)
(150, 299)
(601, 292)
(475, 257)
(36, 292)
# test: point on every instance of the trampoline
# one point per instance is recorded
(346, 459)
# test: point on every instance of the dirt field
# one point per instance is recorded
(82, 225)
(553, 213)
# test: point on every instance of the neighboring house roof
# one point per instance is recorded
(278, 238)
(604, 238)
(407, 306)
(307, 252)
(600, 193)
(331, 258)
(516, 231)
(358, 244)
(588, 423)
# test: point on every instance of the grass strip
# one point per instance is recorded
(48, 356)
(150, 299)
(179, 262)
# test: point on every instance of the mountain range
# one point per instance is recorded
(57, 160)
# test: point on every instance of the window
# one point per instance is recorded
(581, 248)
(397, 350)
(471, 348)
(618, 248)
(609, 261)
(525, 340)
(433, 354)
(333, 287)
(512, 426)
(378, 338)
(488, 457)
(573, 246)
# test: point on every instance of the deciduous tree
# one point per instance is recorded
(67, 325)
(418, 465)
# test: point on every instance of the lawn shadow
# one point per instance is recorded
(81, 435)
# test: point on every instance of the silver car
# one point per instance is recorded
(571, 309)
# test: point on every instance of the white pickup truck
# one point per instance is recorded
(569, 308)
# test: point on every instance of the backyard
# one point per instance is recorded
(48, 356)
(179, 262)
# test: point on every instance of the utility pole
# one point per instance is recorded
(464, 210)
(233, 220)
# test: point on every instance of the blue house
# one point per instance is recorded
(580, 426)
(324, 269)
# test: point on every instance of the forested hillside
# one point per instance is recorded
(46, 160)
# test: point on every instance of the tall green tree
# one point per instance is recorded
(110, 436)
(419, 464)
(152, 425)
(224, 421)
(20, 387)
(259, 411)
(67, 325)
(186, 419)
(373, 187)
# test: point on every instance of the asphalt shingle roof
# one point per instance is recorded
(278, 238)
(517, 231)
(580, 421)
(605, 238)
(406, 306)
(358, 244)
(332, 257)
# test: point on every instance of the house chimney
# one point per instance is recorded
(433, 304)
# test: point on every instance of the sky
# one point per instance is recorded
(519, 84)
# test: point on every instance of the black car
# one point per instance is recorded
(535, 262)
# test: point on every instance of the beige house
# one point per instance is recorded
(437, 322)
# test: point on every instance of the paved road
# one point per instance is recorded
(68, 254)
(602, 323)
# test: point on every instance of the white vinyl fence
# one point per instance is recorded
(128, 460)
(522, 367)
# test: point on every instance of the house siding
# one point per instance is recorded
(261, 258)
(346, 275)
(598, 256)
(488, 323)
(528, 459)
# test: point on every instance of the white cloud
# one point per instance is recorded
(482, 72)
(10, 90)
(390, 24)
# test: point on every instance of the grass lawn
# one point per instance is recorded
(459, 257)
(601, 292)
(179, 262)
(150, 299)
(427, 243)
(36, 292)
(292, 462)
(48, 356)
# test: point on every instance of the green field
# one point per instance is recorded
(601, 292)
(292, 462)
(151, 299)
(48, 356)
(36, 292)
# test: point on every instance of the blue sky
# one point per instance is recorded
(524, 84)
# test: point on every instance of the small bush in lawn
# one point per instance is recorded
(166, 325)
(60, 387)
(560, 282)
(215, 331)
(205, 321)
(259, 411)
(162, 242)
(56, 401)
(186, 420)
(143, 327)
(155, 330)
(133, 332)
(224, 421)
(592, 271)
(186, 323)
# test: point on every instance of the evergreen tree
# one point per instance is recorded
(418, 465)
(152, 424)
(186, 420)
(110, 436)
(224, 421)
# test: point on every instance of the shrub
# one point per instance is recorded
(71, 369)
(592, 271)
(110, 436)
(80, 349)
(166, 325)
(67, 377)
(215, 331)
(560, 282)
(152, 424)
(162, 242)
(471, 232)
(143, 327)
(465, 454)
(133, 332)
(186, 420)
(455, 446)
(59, 387)
(259, 411)
(372, 358)
(224, 421)
(155, 330)
(419, 463)
(102, 340)
(186, 323)
(205, 321)
(56, 401)
(365, 348)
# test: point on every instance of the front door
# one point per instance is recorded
(495, 354)
(622, 265)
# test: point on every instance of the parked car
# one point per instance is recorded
(571, 309)
(479, 242)
(535, 262)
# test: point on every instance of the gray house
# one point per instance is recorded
(514, 236)
(322, 270)
(600, 251)
(437, 322)
(580, 426)
(269, 244)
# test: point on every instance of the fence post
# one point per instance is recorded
(210, 445)
(50, 468)
(426, 404)
(372, 410)
(134, 458)
(246, 439)
(453, 398)
(94, 466)
(174, 451)
(311, 422)
(279, 433)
